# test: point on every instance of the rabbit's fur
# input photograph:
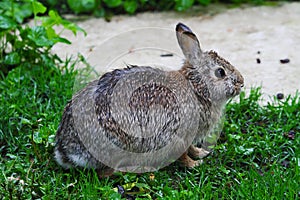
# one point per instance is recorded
(205, 80)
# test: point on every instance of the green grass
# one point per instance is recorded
(257, 156)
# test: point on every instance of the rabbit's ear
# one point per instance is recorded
(188, 42)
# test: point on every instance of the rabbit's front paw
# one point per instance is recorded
(186, 161)
(196, 152)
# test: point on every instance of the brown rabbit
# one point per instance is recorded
(141, 110)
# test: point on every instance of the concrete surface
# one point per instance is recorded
(240, 35)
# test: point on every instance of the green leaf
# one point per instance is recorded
(37, 138)
(182, 5)
(22, 12)
(130, 6)
(142, 185)
(82, 6)
(143, 1)
(204, 2)
(54, 37)
(7, 23)
(55, 16)
(244, 151)
(52, 3)
(51, 33)
(62, 40)
(12, 58)
(53, 19)
(99, 12)
(11, 156)
(72, 27)
(25, 121)
(224, 170)
(234, 137)
(88, 5)
(38, 8)
(248, 151)
(51, 139)
(5, 5)
(39, 36)
(75, 6)
(112, 3)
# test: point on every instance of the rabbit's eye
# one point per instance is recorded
(220, 73)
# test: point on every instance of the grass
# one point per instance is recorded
(257, 156)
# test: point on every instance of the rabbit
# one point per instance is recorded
(200, 89)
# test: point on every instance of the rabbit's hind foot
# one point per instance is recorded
(196, 152)
(186, 161)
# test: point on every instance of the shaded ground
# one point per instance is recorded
(240, 35)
